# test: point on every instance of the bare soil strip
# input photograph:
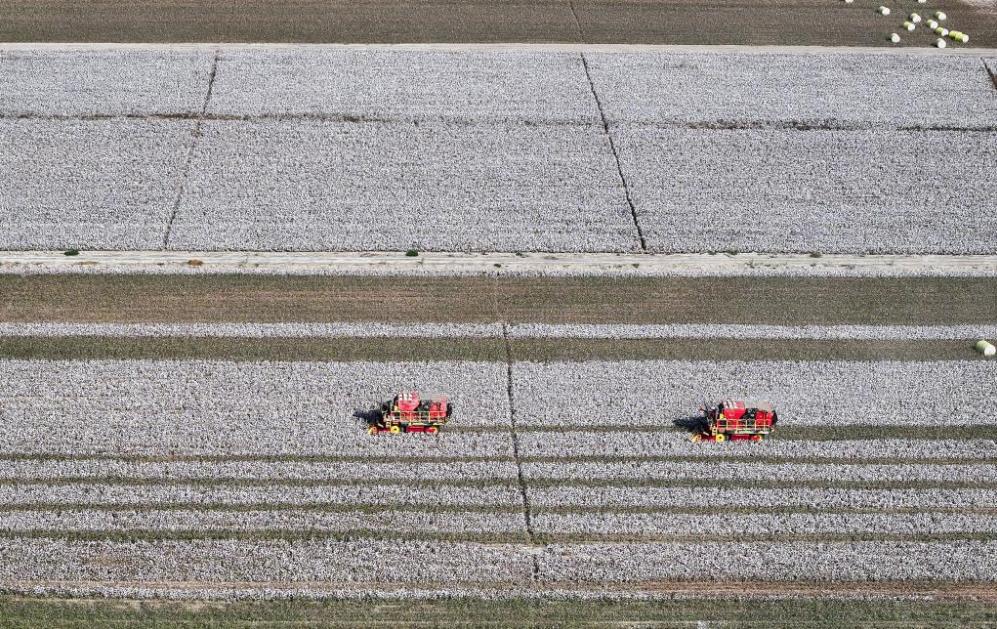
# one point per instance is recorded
(766, 22)
(392, 349)
(635, 300)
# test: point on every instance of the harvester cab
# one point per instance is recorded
(407, 412)
(736, 420)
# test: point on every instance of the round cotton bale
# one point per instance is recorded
(883, 10)
(941, 31)
(940, 16)
(986, 348)
(932, 24)
(939, 43)
(909, 26)
(964, 38)
(894, 38)
(915, 18)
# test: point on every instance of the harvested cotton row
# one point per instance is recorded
(229, 408)
(637, 471)
(804, 394)
(735, 179)
(314, 523)
(263, 563)
(123, 204)
(696, 88)
(638, 444)
(262, 470)
(431, 187)
(736, 525)
(82, 494)
(391, 85)
(82, 82)
(616, 498)
(770, 561)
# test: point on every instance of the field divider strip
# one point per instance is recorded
(521, 478)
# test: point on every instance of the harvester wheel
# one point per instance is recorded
(432, 430)
(372, 430)
(395, 430)
(720, 438)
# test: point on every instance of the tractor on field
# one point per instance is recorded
(407, 412)
(738, 420)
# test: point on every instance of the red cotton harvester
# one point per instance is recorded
(737, 421)
(407, 413)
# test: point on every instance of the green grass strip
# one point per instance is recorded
(816, 610)
(173, 298)
(385, 349)
(310, 506)
(346, 349)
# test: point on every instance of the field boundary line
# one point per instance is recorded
(989, 71)
(500, 264)
(195, 137)
(616, 155)
(520, 476)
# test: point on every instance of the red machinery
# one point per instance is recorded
(407, 413)
(737, 421)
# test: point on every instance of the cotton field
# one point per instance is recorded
(252, 471)
(217, 433)
(301, 149)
